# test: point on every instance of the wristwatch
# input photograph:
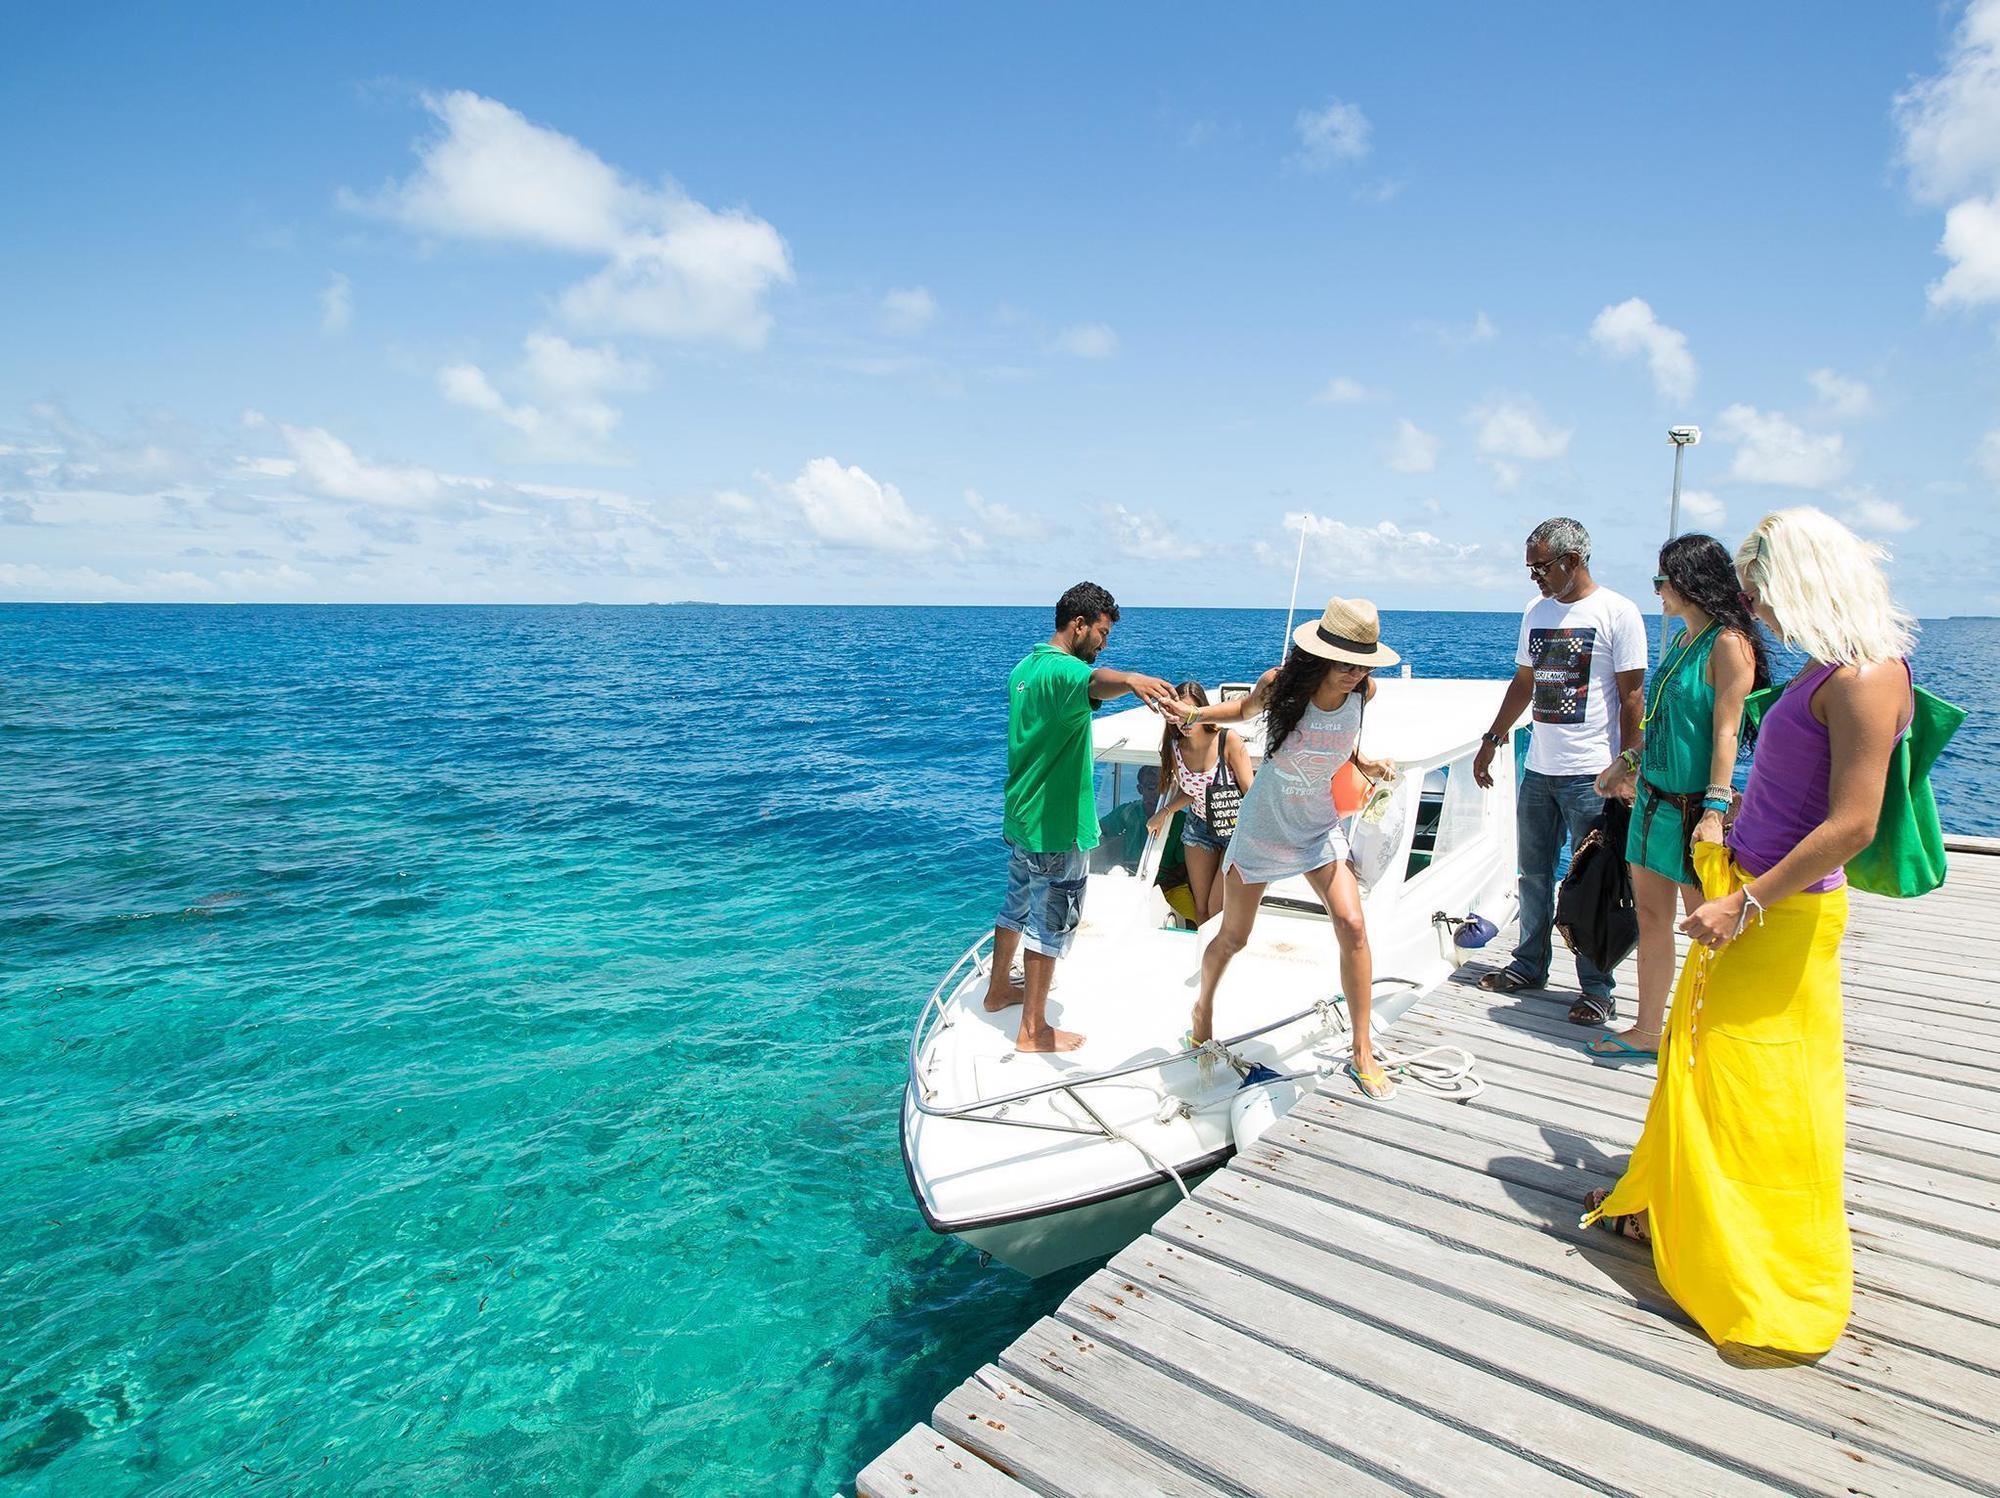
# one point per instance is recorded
(1493, 740)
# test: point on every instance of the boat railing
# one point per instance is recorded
(974, 1110)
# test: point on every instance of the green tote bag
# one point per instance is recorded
(1906, 858)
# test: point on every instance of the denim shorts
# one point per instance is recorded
(1044, 898)
(1195, 833)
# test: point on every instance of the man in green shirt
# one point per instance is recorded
(1052, 803)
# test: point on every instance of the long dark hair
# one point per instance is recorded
(1187, 691)
(1298, 679)
(1702, 571)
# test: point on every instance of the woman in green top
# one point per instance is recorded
(1679, 779)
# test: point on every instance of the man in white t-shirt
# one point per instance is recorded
(1581, 663)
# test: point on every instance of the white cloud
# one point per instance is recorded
(1950, 126)
(1412, 449)
(1989, 455)
(1972, 243)
(1841, 398)
(1090, 340)
(329, 467)
(1145, 538)
(675, 268)
(1702, 507)
(1385, 550)
(1951, 122)
(1454, 336)
(1869, 511)
(848, 507)
(1330, 135)
(909, 309)
(999, 522)
(1511, 431)
(1341, 391)
(1773, 449)
(563, 415)
(336, 305)
(1630, 328)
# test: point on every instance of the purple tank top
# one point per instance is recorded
(1788, 790)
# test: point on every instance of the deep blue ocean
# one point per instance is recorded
(460, 1049)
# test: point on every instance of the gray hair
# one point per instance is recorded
(1561, 536)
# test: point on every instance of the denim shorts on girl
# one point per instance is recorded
(1044, 898)
(1195, 833)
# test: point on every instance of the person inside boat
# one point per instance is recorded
(1581, 662)
(1288, 823)
(1738, 1179)
(1207, 771)
(1051, 803)
(1685, 783)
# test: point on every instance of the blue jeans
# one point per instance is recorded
(1545, 807)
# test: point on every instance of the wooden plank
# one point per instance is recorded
(1591, 1285)
(1946, 1100)
(1871, 1129)
(1879, 1185)
(1531, 1017)
(1539, 1232)
(1564, 1140)
(1509, 1325)
(1227, 1440)
(1564, 1038)
(1575, 1443)
(1019, 1429)
(1566, 1165)
(923, 1464)
(1307, 1396)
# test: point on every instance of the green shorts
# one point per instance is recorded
(1659, 837)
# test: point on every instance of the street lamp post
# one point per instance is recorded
(1682, 438)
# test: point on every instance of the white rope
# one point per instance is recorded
(1119, 1134)
(1452, 1078)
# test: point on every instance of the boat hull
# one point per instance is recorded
(1051, 1241)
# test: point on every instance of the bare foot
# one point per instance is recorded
(998, 998)
(1201, 1025)
(1049, 1039)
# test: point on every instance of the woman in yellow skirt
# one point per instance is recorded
(1738, 1178)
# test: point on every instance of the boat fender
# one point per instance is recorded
(1258, 1105)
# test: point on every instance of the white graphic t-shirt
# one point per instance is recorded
(1576, 651)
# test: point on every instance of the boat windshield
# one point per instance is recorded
(1125, 798)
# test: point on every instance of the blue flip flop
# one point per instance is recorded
(1619, 1049)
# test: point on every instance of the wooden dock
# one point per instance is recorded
(1398, 1299)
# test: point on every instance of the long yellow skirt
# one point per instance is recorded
(1741, 1162)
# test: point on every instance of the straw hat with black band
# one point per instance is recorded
(1349, 631)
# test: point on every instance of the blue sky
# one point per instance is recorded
(917, 305)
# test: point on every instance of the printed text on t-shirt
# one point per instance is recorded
(1562, 672)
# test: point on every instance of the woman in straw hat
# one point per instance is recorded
(1288, 823)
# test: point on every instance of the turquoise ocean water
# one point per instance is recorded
(461, 1048)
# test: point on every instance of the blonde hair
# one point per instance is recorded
(1826, 588)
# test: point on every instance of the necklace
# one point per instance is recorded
(1667, 672)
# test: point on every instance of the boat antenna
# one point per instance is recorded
(1682, 438)
(1292, 607)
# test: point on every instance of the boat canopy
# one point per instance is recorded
(1421, 722)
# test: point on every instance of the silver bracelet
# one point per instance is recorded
(1750, 902)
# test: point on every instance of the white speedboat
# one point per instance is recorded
(1045, 1160)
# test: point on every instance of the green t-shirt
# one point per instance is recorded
(1051, 793)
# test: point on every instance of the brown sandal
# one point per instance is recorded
(1627, 1225)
